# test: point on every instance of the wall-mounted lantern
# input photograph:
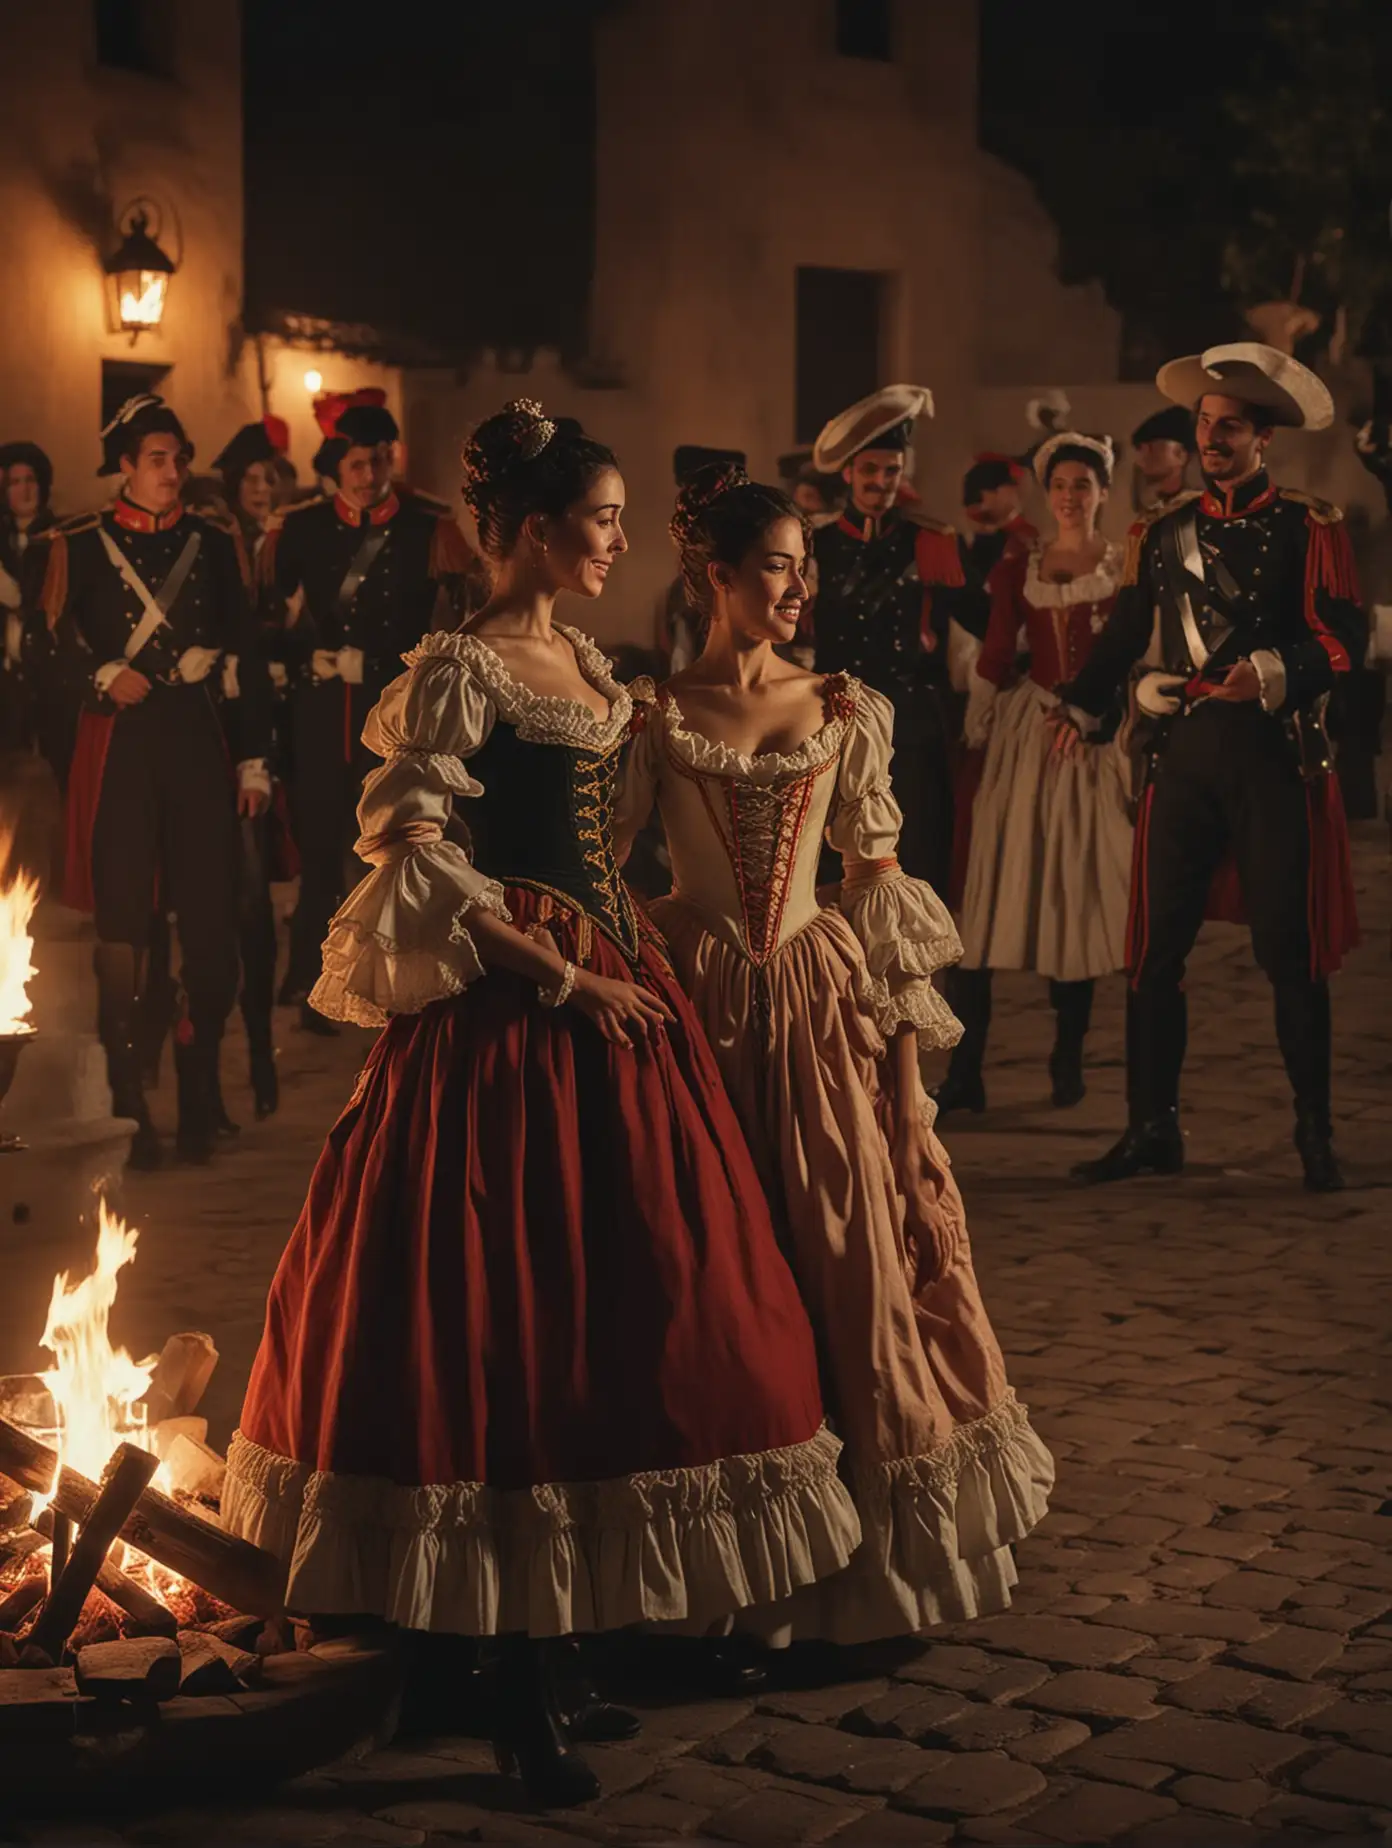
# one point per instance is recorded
(137, 277)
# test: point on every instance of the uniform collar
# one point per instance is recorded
(867, 526)
(377, 515)
(141, 520)
(1221, 502)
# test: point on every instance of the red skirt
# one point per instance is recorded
(533, 1359)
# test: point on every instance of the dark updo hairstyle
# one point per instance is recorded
(721, 514)
(1079, 452)
(519, 462)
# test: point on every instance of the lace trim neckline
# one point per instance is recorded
(1093, 586)
(547, 718)
(701, 753)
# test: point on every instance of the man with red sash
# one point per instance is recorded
(351, 583)
(1246, 595)
(889, 582)
(155, 598)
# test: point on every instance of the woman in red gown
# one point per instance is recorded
(533, 1362)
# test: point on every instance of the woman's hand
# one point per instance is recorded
(619, 1009)
(932, 1224)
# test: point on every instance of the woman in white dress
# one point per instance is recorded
(816, 1014)
(1048, 878)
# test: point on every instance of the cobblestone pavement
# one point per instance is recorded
(1201, 1648)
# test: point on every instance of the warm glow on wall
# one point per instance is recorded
(137, 279)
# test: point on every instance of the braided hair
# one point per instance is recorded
(721, 514)
(519, 462)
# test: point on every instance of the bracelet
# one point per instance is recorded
(561, 993)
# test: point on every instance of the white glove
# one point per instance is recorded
(350, 665)
(981, 705)
(324, 664)
(196, 664)
(1157, 694)
(255, 773)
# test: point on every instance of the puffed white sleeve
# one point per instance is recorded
(401, 940)
(638, 781)
(904, 928)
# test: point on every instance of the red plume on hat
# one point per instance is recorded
(1013, 463)
(277, 434)
(329, 407)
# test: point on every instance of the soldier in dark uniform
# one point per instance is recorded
(992, 500)
(1250, 592)
(889, 583)
(352, 582)
(1164, 445)
(156, 599)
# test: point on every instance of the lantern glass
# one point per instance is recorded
(140, 296)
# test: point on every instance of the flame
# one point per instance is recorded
(96, 1387)
(147, 308)
(17, 900)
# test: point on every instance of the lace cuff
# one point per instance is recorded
(907, 934)
(401, 940)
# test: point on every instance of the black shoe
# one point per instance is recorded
(734, 1665)
(312, 1021)
(146, 1150)
(292, 992)
(586, 1718)
(527, 1737)
(1156, 1147)
(960, 1091)
(1066, 1077)
(223, 1126)
(265, 1083)
(1322, 1171)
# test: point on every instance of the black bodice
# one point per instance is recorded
(545, 820)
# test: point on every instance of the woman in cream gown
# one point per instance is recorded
(816, 1014)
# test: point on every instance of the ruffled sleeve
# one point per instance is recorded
(903, 926)
(401, 941)
(641, 769)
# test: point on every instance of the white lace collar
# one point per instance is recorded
(541, 718)
(704, 754)
(1094, 586)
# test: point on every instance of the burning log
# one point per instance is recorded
(127, 1475)
(239, 1574)
(61, 1537)
(148, 1614)
(196, 1468)
(181, 1377)
(26, 1594)
(168, 1430)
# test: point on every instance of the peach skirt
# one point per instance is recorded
(945, 1468)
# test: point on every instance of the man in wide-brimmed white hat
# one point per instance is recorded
(888, 581)
(1246, 594)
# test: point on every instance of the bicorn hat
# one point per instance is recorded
(1175, 424)
(254, 442)
(990, 469)
(350, 420)
(143, 415)
(884, 420)
(1262, 376)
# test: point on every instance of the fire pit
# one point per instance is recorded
(138, 1638)
(18, 897)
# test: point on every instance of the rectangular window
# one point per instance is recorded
(122, 379)
(133, 35)
(865, 29)
(840, 317)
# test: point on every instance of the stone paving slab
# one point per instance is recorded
(1201, 1650)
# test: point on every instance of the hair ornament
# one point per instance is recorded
(538, 429)
(1101, 446)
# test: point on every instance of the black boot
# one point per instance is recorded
(223, 1126)
(312, 1021)
(195, 1066)
(527, 1735)
(1157, 1032)
(157, 1002)
(1303, 1030)
(117, 969)
(587, 1719)
(265, 1081)
(1072, 1004)
(964, 1088)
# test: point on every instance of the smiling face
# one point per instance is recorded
(762, 597)
(21, 491)
(364, 474)
(154, 479)
(875, 477)
(1075, 496)
(578, 547)
(1231, 445)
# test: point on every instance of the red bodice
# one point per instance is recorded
(1061, 621)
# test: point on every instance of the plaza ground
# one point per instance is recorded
(1201, 1647)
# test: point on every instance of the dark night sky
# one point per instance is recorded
(437, 183)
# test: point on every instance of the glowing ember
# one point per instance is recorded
(95, 1386)
(17, 901)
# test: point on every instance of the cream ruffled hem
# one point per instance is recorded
(685, 1546)
(938, 1530)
